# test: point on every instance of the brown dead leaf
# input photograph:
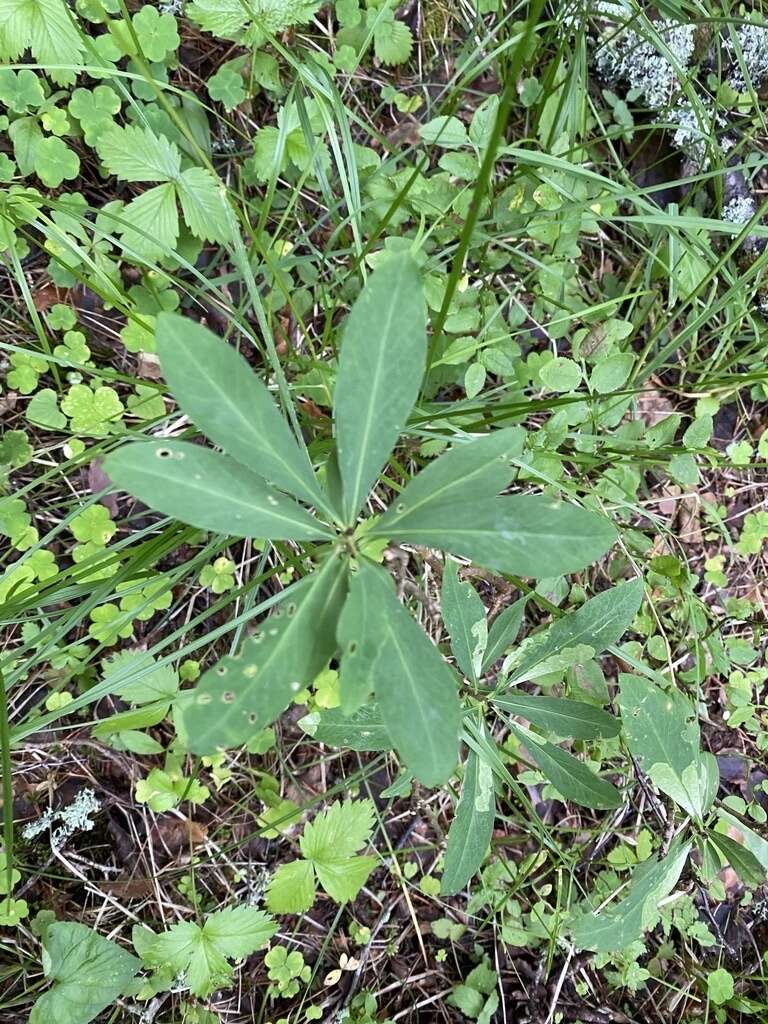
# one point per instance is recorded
(49, 295)
(148, 366)
(128, 888)
(97, 481)
(653, 406)
(8, 402)
(176, 835)
(689, 519)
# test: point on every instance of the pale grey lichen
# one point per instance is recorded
(751, 51)
(694, 131)
(739, 210)
(75, 817)
(627, 56)
(578, 12)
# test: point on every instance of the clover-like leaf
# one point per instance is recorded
(227, 87)
(157, 33)
(55, 162)
(95, 109)
(92, 411)
(20, 90)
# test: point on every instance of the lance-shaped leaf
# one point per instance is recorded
(247, 691)
(503, 631)
(470, 833)
(470, 470)
(742, 860)
(662, 731)
(599, 622)
(464, 615)
(560, 716)
(363, 730)
(526, 534)
(622, 923)
(383, 351)
(218, 390)
(415, 689)
(360, 638)
(757, 846)
(208, 490)
(570, 777)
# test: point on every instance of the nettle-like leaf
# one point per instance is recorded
(253, 23)
(247, 691)
(202, 954)
(149, 224)
(87, 971)
(137, 154)
(329, 847)
(662, 732)
(619, 924)
(47, 30)
(392, 39)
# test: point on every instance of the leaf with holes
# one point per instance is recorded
(360, 639)
(415, 689)
(210, 491)
(246, 691)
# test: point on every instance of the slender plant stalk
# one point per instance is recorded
(5, 754)
(486, 170)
